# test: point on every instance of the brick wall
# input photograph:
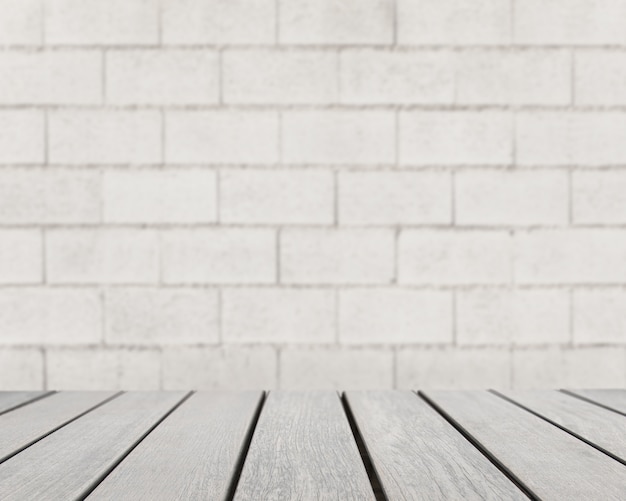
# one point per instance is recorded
(312, 193)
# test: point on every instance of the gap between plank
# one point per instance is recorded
(485, 452)
(554, 423)
(245, 447)
(379, 493)
(27, 402)
(62, 425)
(588, 400)
(125, 454)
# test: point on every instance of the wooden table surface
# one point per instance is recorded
(361, 445)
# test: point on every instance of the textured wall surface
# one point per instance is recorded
(312, 193)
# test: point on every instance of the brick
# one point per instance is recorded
(519, 77)
(280, 76)
(512, 197)
(574, 138)
(102, 256)
(160, 196)
(21, 259)
(276, 196)
(575, 22)
(335, 368)
(569, 368)
(453, 368)
(21, 22)
(85, 369)
(598, 197)
(105, 137)
(169, 316)
(48, 196)
(336, 137)
(539, 368)
(505, 317)
(219, 256)
(397, 77)
(330, 22)
(50, 316)
(387, 316)
(321, 256)
(595, 367)
(51, 77)
(223, 368)
(449, 257)
(599, 316)
(600, 77)
(395, 197)
(219, 22)
(21, 370)
(93, 22)
(22, 137)
(221, 137)
(278, 316)
(454, 137)
(454, 22)
(571, 256)
(162, 77)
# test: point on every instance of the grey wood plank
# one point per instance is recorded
(603, 428)
(303, 448)
(613, 399)
(11, 399)
(191, 455)
(417, 454)
(25, 425)
(549, 461)
(67, 464)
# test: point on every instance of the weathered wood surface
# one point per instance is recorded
(67, 464)
(601, 427)
(612, 399)
(418, 455)
(550, 462)
(303, 448)
(11, 399)
(313, 445)
(192, 455)
(25, 425)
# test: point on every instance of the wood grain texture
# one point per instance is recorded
(613, 399)
(417, 454)
(550, 462)
(191, 455)
(25, 425)
(11, 399)
(601, 427)
(66, 464)
(303, 448)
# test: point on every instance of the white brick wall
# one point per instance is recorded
(206, 194)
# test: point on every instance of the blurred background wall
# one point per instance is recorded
(312, 193)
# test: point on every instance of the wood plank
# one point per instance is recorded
(612, 399)
(303, 448)
(11, 399)
(547, 460)
(68, 463)
(25, 425)
(601, 427)
(193, 454)
(417, 454)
